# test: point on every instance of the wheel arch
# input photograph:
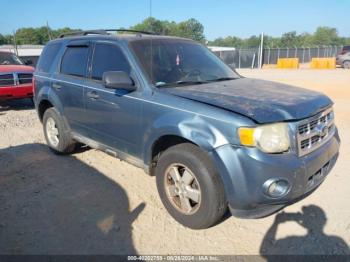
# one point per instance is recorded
(172, 130)
(160, 145)
(42, 107)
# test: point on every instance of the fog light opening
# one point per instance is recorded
(277, 188)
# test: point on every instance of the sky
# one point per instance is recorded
(219, 17)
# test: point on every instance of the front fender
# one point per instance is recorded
(190, 127)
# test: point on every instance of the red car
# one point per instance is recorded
(15, 77)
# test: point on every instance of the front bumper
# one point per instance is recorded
(245, 170)
(16, 92)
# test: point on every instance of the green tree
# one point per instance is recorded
(3, 40)
(290, 39)
(230, 41)
(28, 36)
(65, 30)
(326, 36)
(272, 42)
(253, 41)
(306, 40)
(151, 25)
(190, 29)
(194, 29)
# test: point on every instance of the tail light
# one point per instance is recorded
(33, 84)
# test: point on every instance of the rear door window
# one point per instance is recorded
(74, 61)
(108, 57)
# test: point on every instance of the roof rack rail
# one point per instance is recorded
(103, 32)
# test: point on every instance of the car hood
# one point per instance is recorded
(260, 100)
(15, 68)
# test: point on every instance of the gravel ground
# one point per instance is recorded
(91, 203)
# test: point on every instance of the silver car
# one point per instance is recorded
(343, 59)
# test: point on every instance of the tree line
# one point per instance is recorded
(193, 29)
(323, 36)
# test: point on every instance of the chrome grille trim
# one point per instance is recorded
(315, 131)
(24, 78)
(14, 79)
(7, 79)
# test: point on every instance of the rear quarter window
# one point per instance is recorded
(47, 57)
(74, 61)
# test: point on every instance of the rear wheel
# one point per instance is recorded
(56, 135)
(346, 64)
(190, 187)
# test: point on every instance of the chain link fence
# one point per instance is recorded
(248, 58)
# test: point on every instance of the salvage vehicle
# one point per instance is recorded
(15, 77)
(343, 58)
(214, 140)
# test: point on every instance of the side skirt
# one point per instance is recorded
(111, 151)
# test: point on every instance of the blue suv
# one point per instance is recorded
(213, 139)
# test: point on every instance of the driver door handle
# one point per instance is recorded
(92, 95)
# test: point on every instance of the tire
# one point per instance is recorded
(64, 143)
(190, 159)
(346, 64)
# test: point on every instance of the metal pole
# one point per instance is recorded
(309, 54)
(15, 43)
(278, 53)
(318, 51)
(48, 30)
(239, 58)
(296, 51)
(253, 61)
(287, 52)
(261, 50)
(303, 55)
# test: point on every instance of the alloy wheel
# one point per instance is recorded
(182, 189)
(52, 132)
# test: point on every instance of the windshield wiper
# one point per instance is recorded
(222, 79)
(180, 83)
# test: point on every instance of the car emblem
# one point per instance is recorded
(322, 129)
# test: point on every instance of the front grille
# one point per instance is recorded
(315, 131)
(25, 78)
(7, 80)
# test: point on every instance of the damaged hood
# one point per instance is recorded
(261, 100)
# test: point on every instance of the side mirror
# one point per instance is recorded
(118, 80)
(28, 62)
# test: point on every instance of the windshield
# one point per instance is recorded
(170, 62)
(9, 59)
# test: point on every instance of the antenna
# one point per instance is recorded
(15, 42)
(48, 30)
(150, 15)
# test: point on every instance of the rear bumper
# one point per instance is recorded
(16, 92)
(244, 172)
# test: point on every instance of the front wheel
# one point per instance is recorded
(346, 64)
(56, 135)
(190, 187)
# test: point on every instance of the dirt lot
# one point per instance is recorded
(91, 203)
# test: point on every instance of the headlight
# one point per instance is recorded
(271, 138)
